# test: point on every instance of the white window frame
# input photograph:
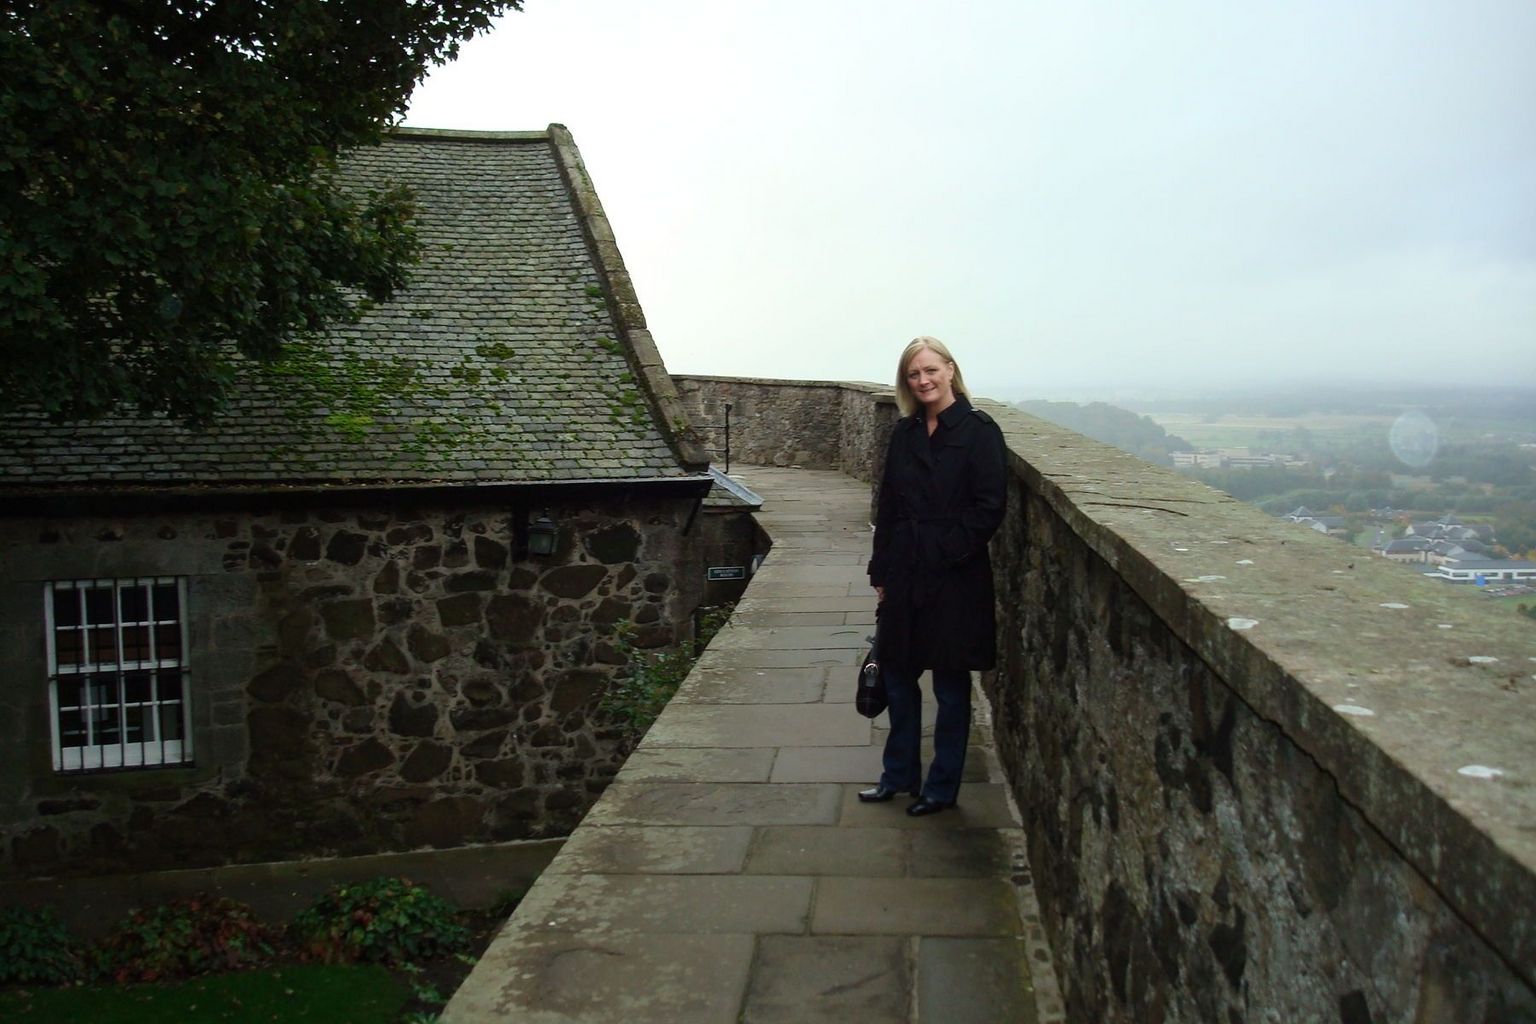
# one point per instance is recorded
(103, 706)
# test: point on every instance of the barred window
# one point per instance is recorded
(118, 673)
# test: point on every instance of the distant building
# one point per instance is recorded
(1486, 570)
(1195, 460)
(1442, 551)
(1336, 526)
(1451, 528)
(1407, 549)
(1232, 458)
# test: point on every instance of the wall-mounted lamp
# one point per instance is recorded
(542, 535)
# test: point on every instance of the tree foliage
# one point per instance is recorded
(168, 194)
(1514, 523)
(1111, 424)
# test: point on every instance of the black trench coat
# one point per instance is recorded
(941, 499)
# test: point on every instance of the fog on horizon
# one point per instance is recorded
(1077, 198)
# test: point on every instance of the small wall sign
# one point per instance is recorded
(727, 572)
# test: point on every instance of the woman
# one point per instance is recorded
(941, 499)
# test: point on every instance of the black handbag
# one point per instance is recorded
(870, 699)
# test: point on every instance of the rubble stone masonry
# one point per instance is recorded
(363, 678)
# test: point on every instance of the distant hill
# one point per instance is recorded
(1443, 402)
(1112, 425)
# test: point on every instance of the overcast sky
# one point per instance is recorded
(1075, 196)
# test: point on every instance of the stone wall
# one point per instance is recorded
(1195, 858)
(1264, 776)
(780, 423)
(364, 678)
(815, 424)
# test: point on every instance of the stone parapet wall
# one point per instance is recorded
(364, 678)
(1264, 776)
(813, 424)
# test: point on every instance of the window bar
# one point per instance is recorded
(89, 687)
(183, 677)
(121, 689)
(53, 674)
(151, 715)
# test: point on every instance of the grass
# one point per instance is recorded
(332, 994)
(1511, 604)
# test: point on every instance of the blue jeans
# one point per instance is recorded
(903, 747)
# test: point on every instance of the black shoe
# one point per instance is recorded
(878, 795)
(925, 806)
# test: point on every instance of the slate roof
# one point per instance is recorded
(501, 363)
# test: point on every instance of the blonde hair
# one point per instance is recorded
(906, 401)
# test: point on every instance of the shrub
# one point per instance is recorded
(385, 920)
(654, 676)
(185, 937)
(35, 949)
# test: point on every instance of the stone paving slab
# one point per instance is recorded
(679, 850)
(668, 803)
(963, 852)
(836, 979)
(730, 872)
(841, 602)
(684, 904)
(812, 547)
(827, 764)
(831, 657)
(822, 850)
(981, 805)
(823, 556)
(718, 685)
(790, 638)
(972, 981)
(698, 764)
(811, 575)
(757, 725)
(579, 978)
(791, 593)
(915, 906)
(765, 618)
(721, 680)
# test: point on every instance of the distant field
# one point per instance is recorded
(1335, 429)
(1263, 431)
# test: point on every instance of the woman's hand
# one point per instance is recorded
(879, 595)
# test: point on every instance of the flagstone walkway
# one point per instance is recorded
(731, 874)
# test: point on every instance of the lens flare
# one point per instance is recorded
(1414, 439)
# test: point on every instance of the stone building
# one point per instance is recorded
(325, 625)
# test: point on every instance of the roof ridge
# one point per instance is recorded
(468, 134)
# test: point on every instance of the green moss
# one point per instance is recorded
(352, 426)
(347, 396)
(495, 350)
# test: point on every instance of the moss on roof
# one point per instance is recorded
(501, 362)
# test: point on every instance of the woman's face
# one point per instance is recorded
(931, 379)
